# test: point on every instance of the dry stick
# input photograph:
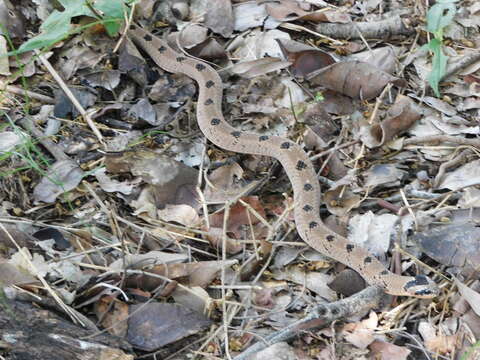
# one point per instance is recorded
(198, 188)
(321, 315)
(224, 257)
(442, 139)
(70, 95)
(19, 91)
(52, 148)
(299, 28)
(333, 149)
(392, 25)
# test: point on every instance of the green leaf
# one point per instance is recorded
(114, 12)
(439, 65)
(439, 16)
(55, 33)
(57, 26)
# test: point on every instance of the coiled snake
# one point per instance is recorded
(294, 160)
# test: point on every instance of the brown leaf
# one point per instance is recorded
(173, 182)
(437, 342)
(113, 317)
(182, 214)
(215, 237)
(401, 116)
(347, 282)
(192, 274)
(238, 216)
(361, 334)
(305, 61)
(285, 10)
(356, 79)
(382, 350)
(152, 325)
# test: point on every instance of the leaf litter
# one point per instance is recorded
(165, 235)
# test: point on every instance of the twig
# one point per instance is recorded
(52, 148)
(335, 148)
(224, 298)
(322, 315)
(442, 139)
(19, 91)
(70, 95)
(382, 29)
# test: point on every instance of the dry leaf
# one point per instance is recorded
(386, 351)
(63, 176)
(361, 334)
(400, 117)
(153, 325)
(471, 296)
(200, 274)
(356, 79)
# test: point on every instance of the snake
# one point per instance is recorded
(299, 169)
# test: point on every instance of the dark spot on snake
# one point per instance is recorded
(162, 49)
(215, 121)
(301, 165)
(200, 67)
(424, 292)
(236, 134)
(132, 27)
(285, 145)
(421, 280)
(147, 38)
(181, 58)
(322, 311)
(384, 272)
(367, 260)
(330, 238)
(335, 311)
(209, 83)
(349, 247)
(410, 284)
(308, 187)
(312, 225)
(307, 208)
(208, 102)
(263, 138)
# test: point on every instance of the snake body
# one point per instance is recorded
(294, 160)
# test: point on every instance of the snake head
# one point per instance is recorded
(421, 286)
